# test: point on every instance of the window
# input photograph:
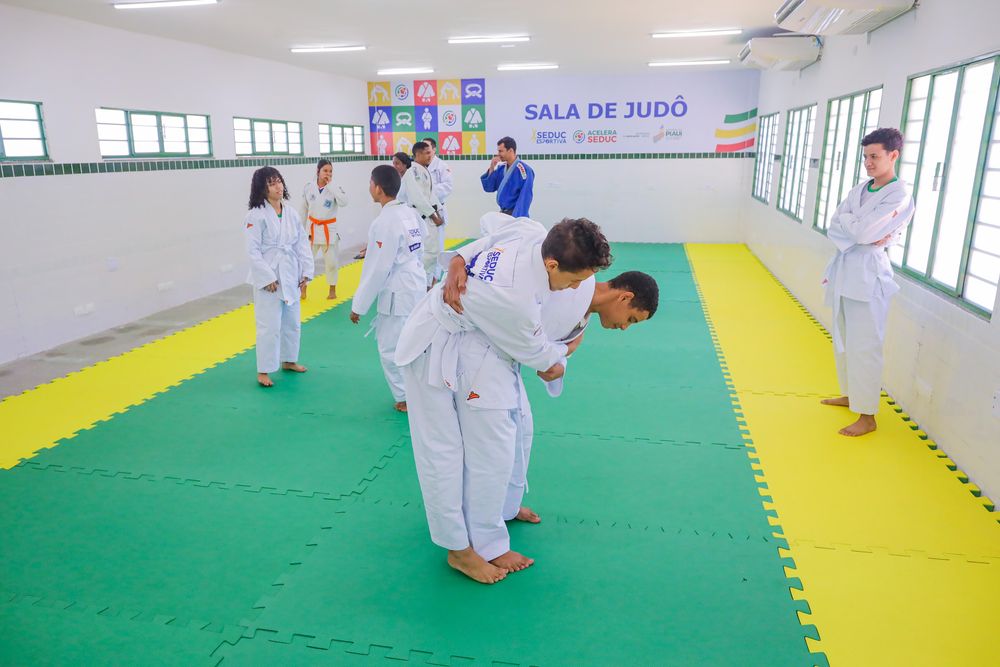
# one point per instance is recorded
(22, 136)
(340, 139)
(951, 157)
(763, 169)
(795, 161)
(125, 133)
(257, 136)
(848, 120)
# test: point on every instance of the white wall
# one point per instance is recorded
(60, 236)
(653, 201)
(931, 341)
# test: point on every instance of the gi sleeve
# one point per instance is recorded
(304, 209)
(383, 245)
(303, 250)
(521, 337)
(492, 181)
(261, 275)
(444, 184)
(340, 196)
(888, 217)
(416, 195)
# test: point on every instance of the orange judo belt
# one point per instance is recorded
(325, 224)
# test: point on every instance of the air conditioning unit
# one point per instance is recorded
(838, 17)
(780, 53)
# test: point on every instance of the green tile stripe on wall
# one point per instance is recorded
(17, 170)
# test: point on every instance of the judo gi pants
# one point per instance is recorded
(859, 366)
(329, 258)
(387, 330)
(464, 458)
(518, 483)
(433, 247)
(278, 330)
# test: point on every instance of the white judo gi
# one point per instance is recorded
(463, 389)
(443, 184)
(318, 211)
(279, 251)
(417, 190)
(859, 283)
(393, 273)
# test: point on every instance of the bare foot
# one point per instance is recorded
(400, 407)
(292, 366)
(841, 401)
(472, 565)
(264, 380)
(865, 424)
(528, 515)
(333, 292)
(302, 295)
(513, 561)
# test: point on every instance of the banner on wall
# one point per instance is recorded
(676, 112)
(451, 111)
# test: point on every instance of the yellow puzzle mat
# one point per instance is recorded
(40, 417)
(899, 556)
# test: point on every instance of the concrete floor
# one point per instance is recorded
(23, 374)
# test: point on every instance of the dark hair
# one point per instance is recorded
(420, 146)
(404, 158)
(258, 185)
(890, 138)
(577, 245)
(322, 163)
(508, 143)
(645, 291)
(431, 141)
(386, 177)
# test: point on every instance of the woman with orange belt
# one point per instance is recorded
(320, 201)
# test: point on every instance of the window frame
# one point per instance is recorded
(360, 146)
(805, 160)
(955, 294)
(133, 155)
(41, 128)
(253, 143)
(867, 92)
(761, 155)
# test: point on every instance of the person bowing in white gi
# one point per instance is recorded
(859, 278)
(393, 273)
(461, 372)
(320, 203)
(280, 266)
(443, 184)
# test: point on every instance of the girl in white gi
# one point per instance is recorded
(461, 372)
(280, 266)
(393, 273)
(320, 202)
(859, 280)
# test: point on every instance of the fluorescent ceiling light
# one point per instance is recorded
(496, 39)
(406, 70)
(163, 3)
(526, 66)
(326, 49)
(712, 32)
(685, 63)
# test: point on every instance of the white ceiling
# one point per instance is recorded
(583, 36)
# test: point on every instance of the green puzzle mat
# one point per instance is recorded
(222, 523)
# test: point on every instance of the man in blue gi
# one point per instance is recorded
(512, 181)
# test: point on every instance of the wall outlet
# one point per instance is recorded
(84, 309)
(226, 268)
(164, 286)
(996, 404)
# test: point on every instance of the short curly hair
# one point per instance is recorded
(645, 291)
(890, 138)
(577, 244)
